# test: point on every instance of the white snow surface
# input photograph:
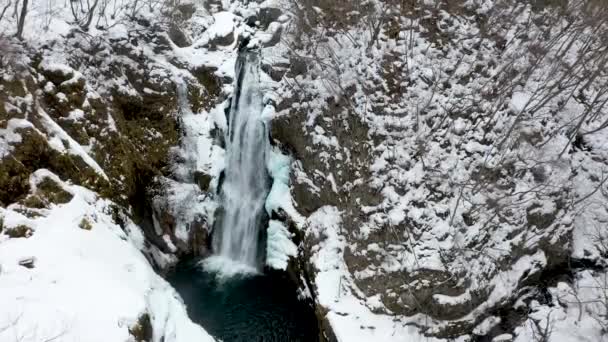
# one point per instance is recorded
(88, 285)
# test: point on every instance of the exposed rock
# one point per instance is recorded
(28, 262)
(178, 36)
(268, 15)
(202, 180)
(298, 66)
(187, 10)
(275, 71)
(211, 84)
(52, 192)
(142, 330)
(178, 213)
(20, 231)
(264, 17)
(85, 224)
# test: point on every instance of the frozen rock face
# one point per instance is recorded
(459, 198)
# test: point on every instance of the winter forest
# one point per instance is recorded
(303, 170)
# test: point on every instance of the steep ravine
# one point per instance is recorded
(408, 183)
(242, 291)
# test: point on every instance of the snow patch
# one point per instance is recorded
(279, 246)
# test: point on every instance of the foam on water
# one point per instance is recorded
(226, 268)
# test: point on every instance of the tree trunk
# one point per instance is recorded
(21, 21)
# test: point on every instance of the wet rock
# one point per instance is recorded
(178, 36)
(202, 180)
(174, 215)
(200, 237)
(187, 10)
(275, 71)
(264, 17)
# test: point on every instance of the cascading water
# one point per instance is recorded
(246, 181)
(258, 306)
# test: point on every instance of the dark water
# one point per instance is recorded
(260, 308)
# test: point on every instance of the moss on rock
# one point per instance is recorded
(52, 192)
(142, 330)
(20, 231)
(34, 201)
(85, 224)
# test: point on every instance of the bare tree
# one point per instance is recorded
(4, 9)
(83, 12)
(21, 21)
(375, 20)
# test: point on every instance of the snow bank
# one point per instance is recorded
(84, 284)
(279, 247)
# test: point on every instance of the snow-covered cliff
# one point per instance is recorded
(438, 167)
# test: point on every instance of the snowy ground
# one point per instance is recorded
(79, 275)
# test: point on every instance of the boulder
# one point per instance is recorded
(178, 37)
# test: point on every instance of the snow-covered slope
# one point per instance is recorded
(78, 273)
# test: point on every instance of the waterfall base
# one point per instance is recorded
(225, 268)
(245, 307)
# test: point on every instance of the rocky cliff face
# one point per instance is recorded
(446, 146)
(105, 117)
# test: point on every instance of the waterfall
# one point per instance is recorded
(246, 183)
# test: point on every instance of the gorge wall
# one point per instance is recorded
(437, 166)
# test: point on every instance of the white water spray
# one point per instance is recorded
(246, 181)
